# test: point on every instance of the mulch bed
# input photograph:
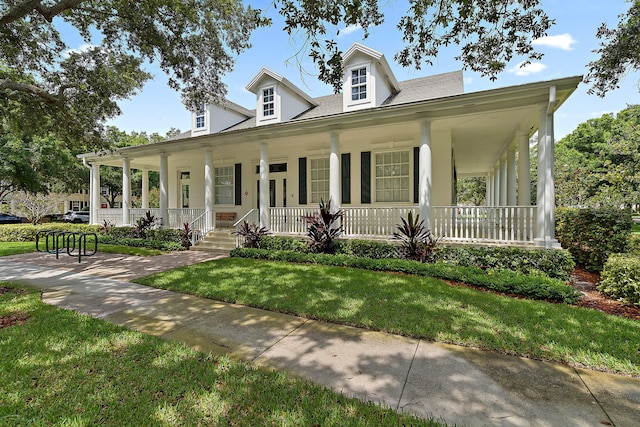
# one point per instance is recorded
(586, 283)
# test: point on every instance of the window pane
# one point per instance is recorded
(392, 176)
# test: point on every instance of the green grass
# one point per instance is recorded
(64, 368)
(14, 248)
(419, 307)
(635, 228)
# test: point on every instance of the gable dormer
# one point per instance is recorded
(215, 118)
(278, 100)
(368, 80)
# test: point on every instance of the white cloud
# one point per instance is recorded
(526, 70)
(468, 80)
(83, 48)
(348, 30)
(561, 41)
(600, 113)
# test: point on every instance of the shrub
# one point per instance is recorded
(141, 243)
(144, 224)
(27, 232)
(120, 232)
(283, 243)
(553, 262)
(416, 241)
(633, 245)
(367, 249)
(591, 235)
(165, 234)
(323, 228)
(535, 286)
(620, 278)
(251, 234)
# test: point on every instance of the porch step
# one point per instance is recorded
(217, 241)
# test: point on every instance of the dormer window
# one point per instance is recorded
(200, 122)
(359, 84)
(268, 103)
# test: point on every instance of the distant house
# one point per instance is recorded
(378, 150)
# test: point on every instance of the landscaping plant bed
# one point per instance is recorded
(586, 282)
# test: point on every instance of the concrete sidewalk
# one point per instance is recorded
(457, 384)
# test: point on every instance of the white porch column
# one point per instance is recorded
(145, 189)
(164, 189)
(208, 185)
(264, 185)
(496, 186)
(425, 166)
(549, 188)
(334, 173)
(95, 192)
(542, 165)
(126, 191)
(511, 177)
(524, 172)
(503, 182)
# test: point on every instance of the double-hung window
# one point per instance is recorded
(268, 102)
(223, 185)
(359, 84)
(392, 176)
(200, 123)
(319, 180)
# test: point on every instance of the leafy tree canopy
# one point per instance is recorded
(618, 54)
(194, 42)
(52, 88)
(598, 164)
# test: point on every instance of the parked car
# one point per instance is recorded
(10, 219)
(76, 216)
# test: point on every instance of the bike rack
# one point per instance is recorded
(57, 241)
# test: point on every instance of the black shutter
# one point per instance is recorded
(302, 180)
(238, 184)
(365, 177)
(346, 178)
(416, 174)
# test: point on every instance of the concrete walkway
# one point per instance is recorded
(457, 384)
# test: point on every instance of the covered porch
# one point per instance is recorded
(266, 176)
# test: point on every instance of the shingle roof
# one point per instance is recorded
(420, 89)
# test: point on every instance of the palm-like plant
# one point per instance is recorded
(252, 234)
(324, 228)
(417, 242)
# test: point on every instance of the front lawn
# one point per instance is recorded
(14, 248)
(59, 367)
(419, 307)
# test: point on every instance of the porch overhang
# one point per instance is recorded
(482, 124)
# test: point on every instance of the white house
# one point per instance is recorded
(378, 150)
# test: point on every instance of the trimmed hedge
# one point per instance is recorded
(531, 286)
(141, 243)
(553, 262)
(620, 278)
(591, 235)
(27, 232)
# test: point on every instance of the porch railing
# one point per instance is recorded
(482, 224)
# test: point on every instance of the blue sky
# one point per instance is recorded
(567, 52)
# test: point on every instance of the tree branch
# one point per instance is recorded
(18, 11)
(21, 10)
(32, 89)
(49, 12)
